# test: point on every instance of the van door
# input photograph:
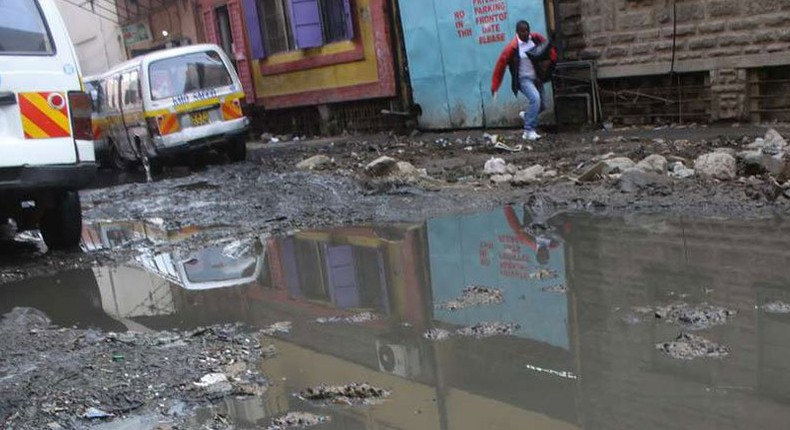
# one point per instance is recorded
(117, 127)
(132, 107)
(37, 69)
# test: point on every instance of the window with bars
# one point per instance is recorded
(285, 25)
(275, 26)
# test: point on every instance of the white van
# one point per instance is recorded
(94, 90)
(46, 143)
(171, 102)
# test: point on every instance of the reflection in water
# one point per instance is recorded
(582, 358)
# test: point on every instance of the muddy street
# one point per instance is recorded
(395, 283)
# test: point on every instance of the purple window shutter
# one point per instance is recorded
(306, 23)
(349, 19)
(253, 29)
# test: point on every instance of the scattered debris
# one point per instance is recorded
(269, 351)
(488, 329)
(297, 420)
(354, 319)
(529, 175)
(278, 327)
(694, 318)
(777, 307)
(680, 171)
(508, 148)
(558, 288)
(351, 394)
(688, 347)
(211, 379)
(561, 373)
(96, 413)
(542, 274)
(474, 295)
(437, 334)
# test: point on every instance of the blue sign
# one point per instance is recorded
(452, 47)
(495, 250)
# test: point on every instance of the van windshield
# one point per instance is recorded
(22, 29)
(187, 73)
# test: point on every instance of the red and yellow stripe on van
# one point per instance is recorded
(231, 109)
(168, 123)
(45, 115)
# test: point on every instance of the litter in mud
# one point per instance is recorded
(96, 413)
(542, 274)
(474, 295)
(79, 379)
(354, 319)
(297, 420)
(561, 373)
(694, 317)
(488, 329)
(351, 394)
(559, 289)
(777, 307)
(688, 347)
(437, 334)
(283, 327)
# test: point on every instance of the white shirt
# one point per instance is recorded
(525, 67)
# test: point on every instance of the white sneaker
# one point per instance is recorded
(522, 114)
(530, 135)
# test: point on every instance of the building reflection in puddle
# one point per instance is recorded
(580, 359)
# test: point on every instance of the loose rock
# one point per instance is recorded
(317, 162)
(501, 179)
(716, 166)
(655, 164)
(528, 175)
(382, 166)
(617, 165)
(635, 180)
(495, 166)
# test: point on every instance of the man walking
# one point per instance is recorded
(525, 76)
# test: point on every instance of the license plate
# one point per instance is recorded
(199, 118)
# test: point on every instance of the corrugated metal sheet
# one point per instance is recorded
(452, 46)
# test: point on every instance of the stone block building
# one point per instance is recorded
(690, 60)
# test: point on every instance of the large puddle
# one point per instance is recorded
(484, 321)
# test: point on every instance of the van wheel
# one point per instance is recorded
(117, 162)
(237, 150)
(61, 225)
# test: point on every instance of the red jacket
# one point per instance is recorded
(509, 57)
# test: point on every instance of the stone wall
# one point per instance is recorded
(635, 38)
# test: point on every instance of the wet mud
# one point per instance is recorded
(222, 324)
